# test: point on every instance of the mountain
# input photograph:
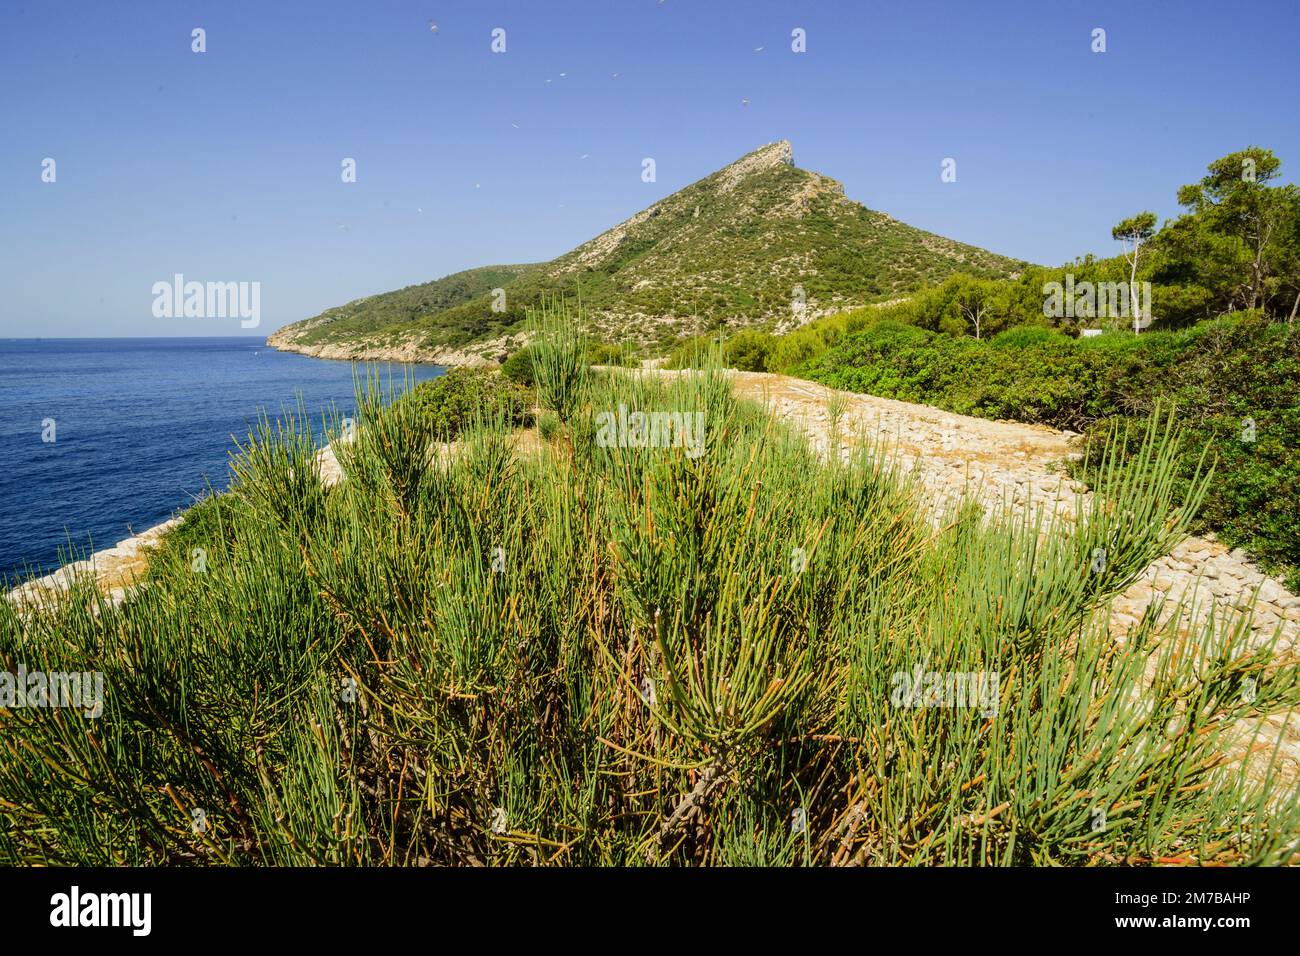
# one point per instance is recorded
(729, 250)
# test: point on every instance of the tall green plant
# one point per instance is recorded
(558, 349)
(628, 653)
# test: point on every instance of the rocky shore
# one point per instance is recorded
(115, 571)
(406, 352)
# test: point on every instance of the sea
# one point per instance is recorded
(103, 438)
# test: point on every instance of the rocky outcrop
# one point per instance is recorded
(114, 571)
(406, 352)
(780, 153)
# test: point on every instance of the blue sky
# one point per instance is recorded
(225, 165)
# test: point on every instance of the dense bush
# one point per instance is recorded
(606, 353)
(1235, 385)
(747, 351)
(595, 653)
(519, 366)
(1046, 379)
(1215, 375)
(205, 534)
(452, 401)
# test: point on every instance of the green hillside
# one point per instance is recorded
(728, 250)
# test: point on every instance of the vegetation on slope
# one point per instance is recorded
(386, 318)
(1235, 248)
(1236, 245)
(728, 250)
(605, 653)
(1232, 384)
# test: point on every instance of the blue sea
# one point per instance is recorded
(140, 427)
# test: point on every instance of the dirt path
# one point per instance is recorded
(1022, 463)
(998, 461)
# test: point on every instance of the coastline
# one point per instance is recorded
(1014, 460)
(1010, 462)
(405, 353)
(118, 571)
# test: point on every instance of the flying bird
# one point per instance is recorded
(433, 27)
(758, 49)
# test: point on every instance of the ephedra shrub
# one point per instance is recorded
(644, 651)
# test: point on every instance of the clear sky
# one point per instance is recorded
(225, 165)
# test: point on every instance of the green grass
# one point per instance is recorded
(206, 533)
(590, 655)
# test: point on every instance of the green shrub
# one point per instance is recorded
(558, 348)
(518, 368)
(1028, 336)
(597, 653)
(453, 401)
(548, 425)
(605, 353)
(747, 351)
(1215, 375)
(205, 534)
(696, 352)
(1233, 384)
